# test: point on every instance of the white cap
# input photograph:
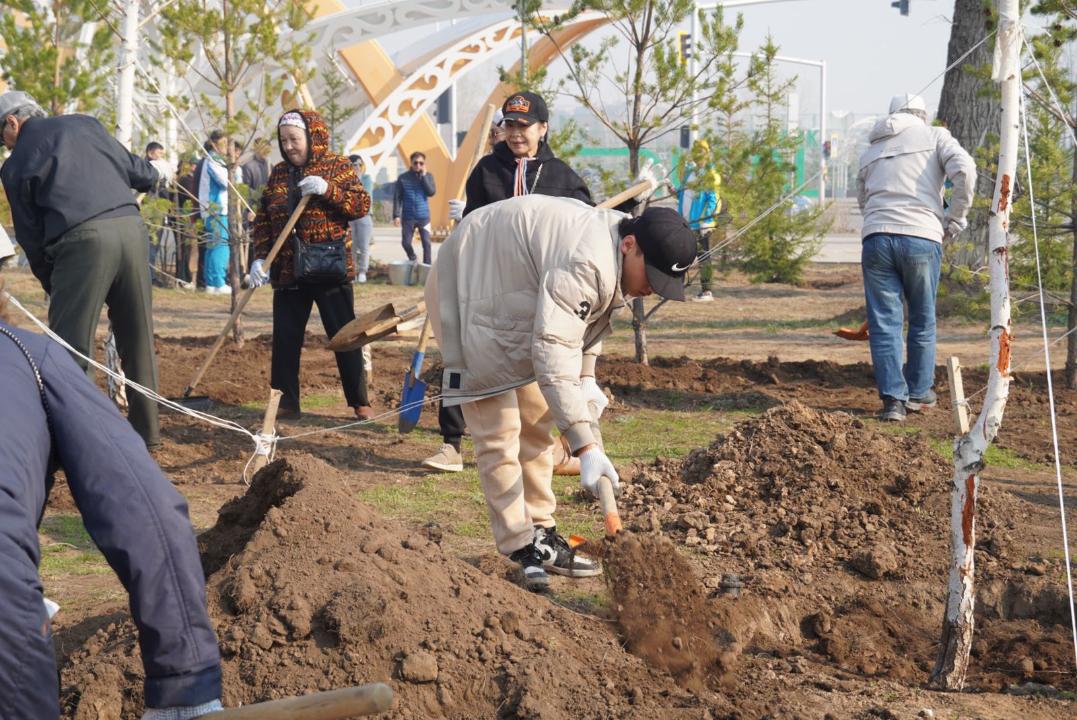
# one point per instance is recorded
(498, 116)
(12, 100)
(907, 101)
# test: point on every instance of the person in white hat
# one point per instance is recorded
(900, 192)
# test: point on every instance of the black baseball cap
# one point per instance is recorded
(669, 249)
(525, 107)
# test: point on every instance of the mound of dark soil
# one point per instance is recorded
(797, 489)
(309, 590)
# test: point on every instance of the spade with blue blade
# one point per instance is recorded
(414, 392)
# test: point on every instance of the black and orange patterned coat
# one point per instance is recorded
(326, 217)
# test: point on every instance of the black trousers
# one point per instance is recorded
(291, 311)
(451, 422)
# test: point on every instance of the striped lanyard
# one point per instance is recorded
(520, 181)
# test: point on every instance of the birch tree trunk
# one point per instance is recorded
(957, 631)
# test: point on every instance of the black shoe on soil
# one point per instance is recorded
(558, 557)
(916, 404)
(535, 578)
(893, 410)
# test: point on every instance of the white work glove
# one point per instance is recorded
(593, 395)
(953, 228)
(257, 277)
(190, 712)
(593, 465)
(648, 173)
(313, 185)
(456, 209)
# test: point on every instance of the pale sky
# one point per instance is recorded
(872, 51)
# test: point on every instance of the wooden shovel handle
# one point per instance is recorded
(624, 195)
(606, 500)
(331, 705)
(245, 296)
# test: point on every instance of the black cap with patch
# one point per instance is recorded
(669, 249)
(525, 107)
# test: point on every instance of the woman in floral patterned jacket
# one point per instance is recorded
(310, 168)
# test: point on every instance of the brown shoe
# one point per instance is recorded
(364, 412)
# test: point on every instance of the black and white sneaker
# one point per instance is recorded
(530, 561)
(558, 557)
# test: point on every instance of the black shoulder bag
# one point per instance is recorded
(316, 263)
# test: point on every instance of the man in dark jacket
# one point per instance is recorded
(52, 416)
(411, 211)
(69, 185)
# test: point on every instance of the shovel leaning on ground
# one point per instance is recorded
(241, 302)
(859, 335)
(411, 397)
(330, 705)
(374, 325)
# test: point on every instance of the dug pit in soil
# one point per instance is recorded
(663, 609)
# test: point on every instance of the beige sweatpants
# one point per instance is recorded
(512, 434)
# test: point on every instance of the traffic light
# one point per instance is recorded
(901, 5)
(686, 136)
(685, 45)
(826, 149)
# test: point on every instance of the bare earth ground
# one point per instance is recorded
(836, 525)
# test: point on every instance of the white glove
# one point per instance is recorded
(953, 228)
(313, 185)
(257, 276)
(593, 465)
(648, 173)
(593, 395)
(456, 209)
(189, 712)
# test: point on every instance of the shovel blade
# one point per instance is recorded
(411, 403)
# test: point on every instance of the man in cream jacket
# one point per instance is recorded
(521, 289)
(900, 191)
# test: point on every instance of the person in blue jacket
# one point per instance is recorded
(699, 202)
(54, 417)
(411, 210)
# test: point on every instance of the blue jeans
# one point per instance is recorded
(408, 226)
(896, 268)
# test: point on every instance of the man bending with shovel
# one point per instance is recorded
(520, 290)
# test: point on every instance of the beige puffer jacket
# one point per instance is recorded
(519, 290)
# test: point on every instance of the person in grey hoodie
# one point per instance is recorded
(900, 192)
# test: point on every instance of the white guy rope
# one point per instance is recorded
(358, 423)
(1050, 384)
(170, 404)
(1059, 109)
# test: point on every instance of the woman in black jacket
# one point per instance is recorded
(521, 164)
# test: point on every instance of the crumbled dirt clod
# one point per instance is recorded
(419, 667)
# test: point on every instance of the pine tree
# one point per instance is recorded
(46, 58)
(778, 247)
(1054, 167)
(333, 111)
(238, 39)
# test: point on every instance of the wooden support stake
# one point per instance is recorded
(269, 424)
(957, 396)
